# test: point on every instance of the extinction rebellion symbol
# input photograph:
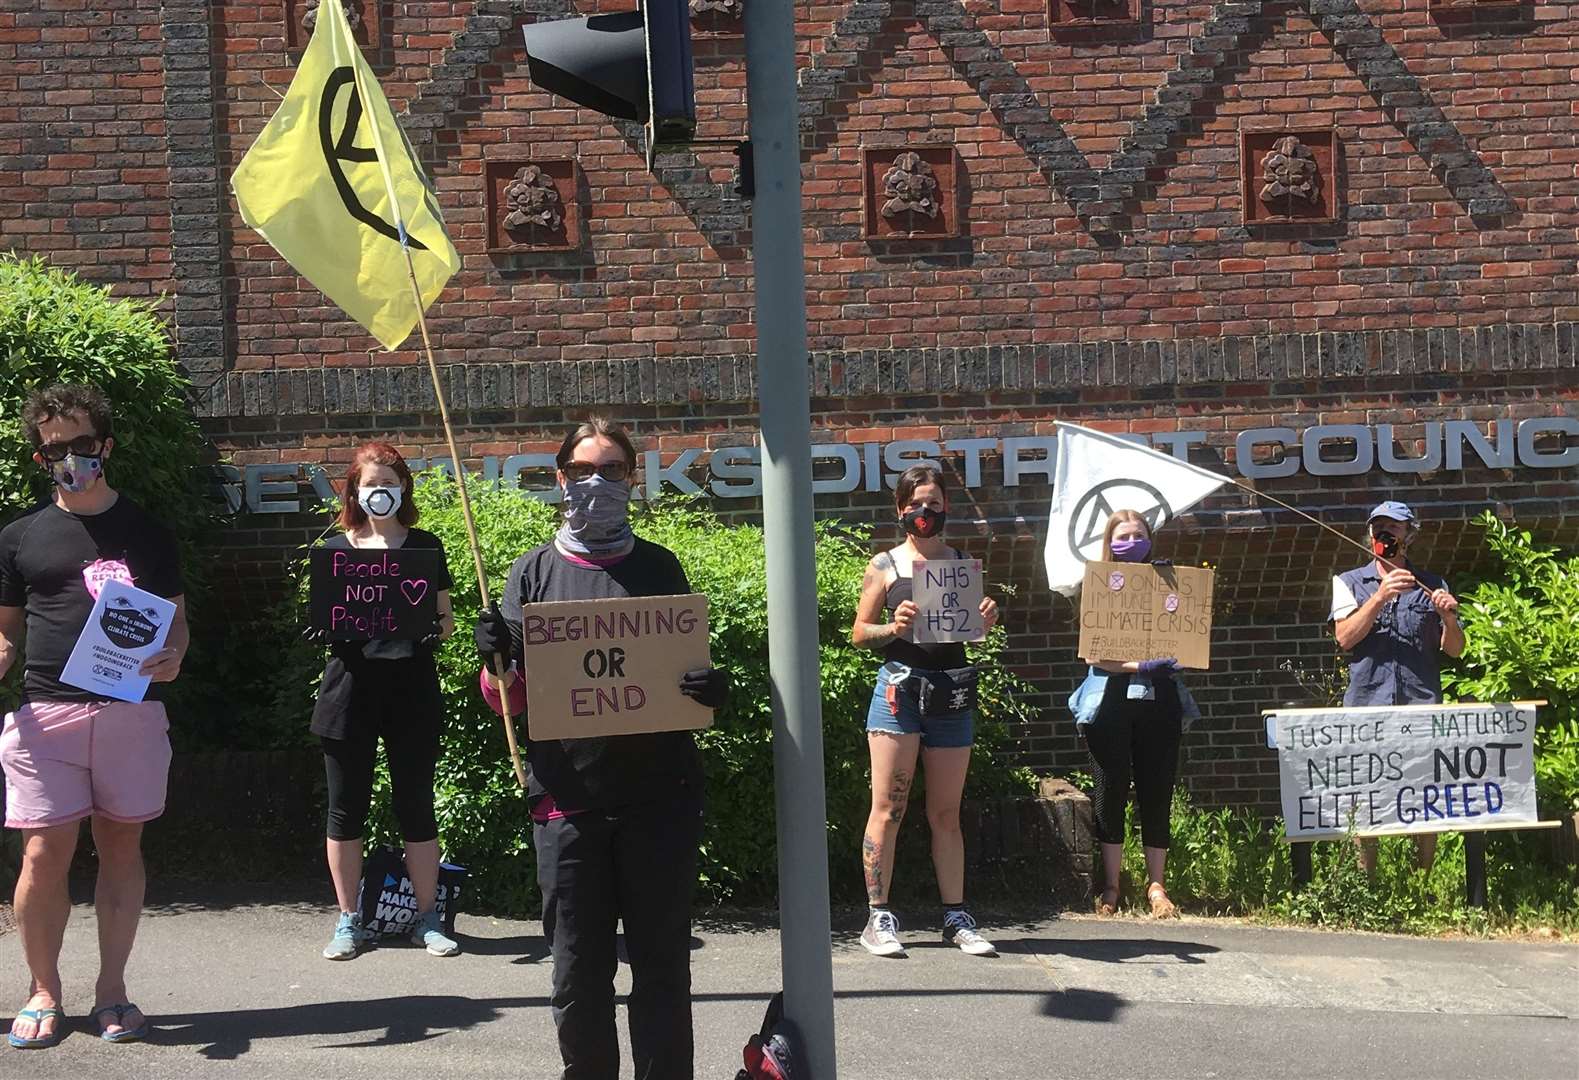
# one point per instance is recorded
(1093, 509)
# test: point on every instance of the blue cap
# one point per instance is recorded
(1397, 511)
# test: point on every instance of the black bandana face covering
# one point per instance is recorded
(924, 522)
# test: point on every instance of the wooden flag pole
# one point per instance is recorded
(501, 663)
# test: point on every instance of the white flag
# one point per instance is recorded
(1096, 474)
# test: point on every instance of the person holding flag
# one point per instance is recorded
(616, 820)
(1394, 621)
(1110, 496)
(334, 186)
(1132, 716)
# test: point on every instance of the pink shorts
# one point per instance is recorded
(65, 760)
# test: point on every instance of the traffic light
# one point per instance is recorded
(634, 65)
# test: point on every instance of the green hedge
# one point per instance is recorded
(482, 817)
(1521, 642)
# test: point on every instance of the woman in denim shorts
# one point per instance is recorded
(896, 731)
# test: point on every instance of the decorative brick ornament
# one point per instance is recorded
(365, 17)
(1289, 177)
(352, 9)
(532, 206)
(1289, 171)
(533, 201)
(910, 187)
(911, 192)
(1093, 15)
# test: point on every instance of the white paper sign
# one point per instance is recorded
(126, 627)
(1406, 769)
(948, 593)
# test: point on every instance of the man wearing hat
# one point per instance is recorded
(1393, 620)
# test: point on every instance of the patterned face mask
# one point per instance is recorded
(76, 473)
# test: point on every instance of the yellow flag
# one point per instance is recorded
(331, 181)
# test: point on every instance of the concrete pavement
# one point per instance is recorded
(238, 990)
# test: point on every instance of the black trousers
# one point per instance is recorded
(1139, 740)
(636, 865)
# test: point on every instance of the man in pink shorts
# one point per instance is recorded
(69, 754)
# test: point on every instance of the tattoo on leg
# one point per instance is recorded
(898, 796)
(872, 867)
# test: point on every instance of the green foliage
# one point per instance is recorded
(1521, 632)
(1229, 861)
(483, 819)
(56, 328)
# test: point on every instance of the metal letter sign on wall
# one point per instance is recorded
(1548, 442)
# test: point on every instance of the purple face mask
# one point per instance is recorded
(1131, 550)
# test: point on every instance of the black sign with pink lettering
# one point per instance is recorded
(363, 595)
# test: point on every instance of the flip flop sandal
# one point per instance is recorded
(136, 1034)
(1161, 906)
(39, 1042)
(1106, 907)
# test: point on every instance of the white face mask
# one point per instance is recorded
(379, 502)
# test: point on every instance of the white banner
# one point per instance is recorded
(1405, 769)
(1096, 474)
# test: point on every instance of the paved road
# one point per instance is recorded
(239, 991)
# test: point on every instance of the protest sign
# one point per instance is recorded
(1136, 611)
(374, 594)
(125, 627)
(1406, 768)
(613, 667)
(948, 593)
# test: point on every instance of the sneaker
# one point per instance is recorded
(425, 931)
(960, 928)
(349, 937)
(881, 936)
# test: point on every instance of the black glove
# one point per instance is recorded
(708, 686)
(434, 637)
(315, 635)
(493, 636)
(1162, 562)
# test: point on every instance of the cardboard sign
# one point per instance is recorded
(366, 594)
(1136, 611)
(949, 594)
(125, 627)
(613, 667)
(1406, 768)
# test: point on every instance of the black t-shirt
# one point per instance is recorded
(394, 679)
(601, 773)
(46, 558)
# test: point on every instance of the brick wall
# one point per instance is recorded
(1102, 270)
(84, 176)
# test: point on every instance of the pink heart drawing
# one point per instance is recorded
(415, 590)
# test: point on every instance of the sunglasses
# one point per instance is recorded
(82, 445)
(613, 471)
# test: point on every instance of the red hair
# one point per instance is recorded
(352, 516)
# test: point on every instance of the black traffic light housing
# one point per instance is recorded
(634, 65)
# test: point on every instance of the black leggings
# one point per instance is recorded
(413, 751)
(1139, 738)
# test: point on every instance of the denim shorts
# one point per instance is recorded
(901, 716)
